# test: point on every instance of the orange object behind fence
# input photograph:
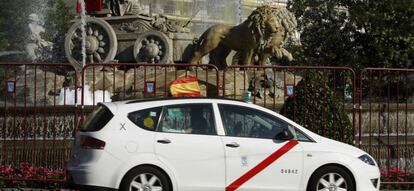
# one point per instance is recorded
(185, 87)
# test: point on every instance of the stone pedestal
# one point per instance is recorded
(267, 89)
(36, 87)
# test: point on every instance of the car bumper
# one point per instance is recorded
(367, 177)
(100, 173)
(74, 186)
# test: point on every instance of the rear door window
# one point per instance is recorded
(188, 119)
(96, 120)
(146, 118)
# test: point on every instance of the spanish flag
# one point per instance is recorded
(185, 87)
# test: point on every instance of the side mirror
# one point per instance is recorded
(284, 135)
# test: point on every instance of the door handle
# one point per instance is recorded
(164, 141)
(232, 145)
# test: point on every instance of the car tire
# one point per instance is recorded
(330, 178)
(145, 178)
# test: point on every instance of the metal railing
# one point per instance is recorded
(36, 126)
(42, 104)
(311, 96)
(386, 122)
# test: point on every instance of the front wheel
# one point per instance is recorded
(331, 178)
(100, 42)
(145, 179)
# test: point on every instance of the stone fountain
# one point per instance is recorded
(156, 39)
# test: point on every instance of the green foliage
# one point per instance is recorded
(59, 22)
(12, 24)
(317, 107)
(2, 81)
(385, 35)
(324, 32)
(14, 21)
(58, 18)
(354, 33)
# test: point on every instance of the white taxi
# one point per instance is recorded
(200, 144)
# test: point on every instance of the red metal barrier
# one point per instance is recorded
(39, 107)
(315, 95)
(37, 121)
(128, 81)
(115, 82)
(386, 127)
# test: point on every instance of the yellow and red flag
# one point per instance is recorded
(185, 87)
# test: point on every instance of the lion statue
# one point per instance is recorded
(246, 38)
(286, 28)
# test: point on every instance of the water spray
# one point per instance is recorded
(239, 11)
(83, 29)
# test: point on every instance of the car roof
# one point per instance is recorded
(133, 104)
(113, 106)
(175, 98)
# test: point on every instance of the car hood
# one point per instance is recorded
(340, 147)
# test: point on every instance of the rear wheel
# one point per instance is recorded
(145, 178)
(331, 178)
(152, 47)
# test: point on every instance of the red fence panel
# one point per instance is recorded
(116, 82)
(123, 81)
(37, 121)
(319, 98)
(386, 126)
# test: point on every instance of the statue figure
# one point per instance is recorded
(125, 7)
(163, 24)
(133, 7)
(36, 44)
(286, 28)
(262, 35)
(247, 38)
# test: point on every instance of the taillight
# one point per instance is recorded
(87, 142)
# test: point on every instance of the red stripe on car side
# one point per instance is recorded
(261, 166)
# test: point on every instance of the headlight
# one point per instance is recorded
(367, 159)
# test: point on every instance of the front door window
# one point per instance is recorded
(245, 122)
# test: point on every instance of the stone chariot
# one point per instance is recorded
(125, 37)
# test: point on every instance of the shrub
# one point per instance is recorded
(317, 107)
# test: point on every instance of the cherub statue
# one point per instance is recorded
(35, 43)
(125, 7)
(133, 7)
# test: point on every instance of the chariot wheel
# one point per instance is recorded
(152, 47)
(101, 42)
